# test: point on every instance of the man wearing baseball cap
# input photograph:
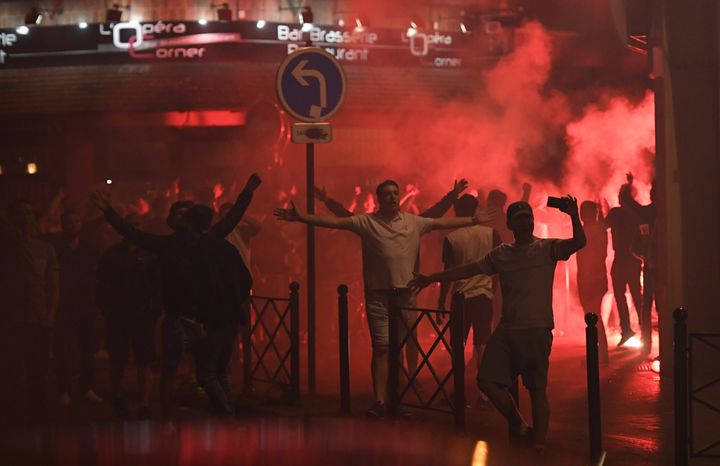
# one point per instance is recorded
(522, 341)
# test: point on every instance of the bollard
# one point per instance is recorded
(681, 387)
(457, 342)
(344, 349)
(295, 341)
(597, 455)
(394, 354)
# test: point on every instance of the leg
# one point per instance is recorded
(376, 307)
(647, 302)
(172, 345)
(633, 280)
(63, 352)
(540, 415)
(207, 362)
(87, 340)
(619, 284)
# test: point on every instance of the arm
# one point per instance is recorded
(140, 238)
(325, 221)
(228, 223)
(444, 204)
(567, 247)
(481, 217)
(332, 205)
(457, 273)
(527, 188)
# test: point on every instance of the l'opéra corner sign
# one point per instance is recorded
(311, 84)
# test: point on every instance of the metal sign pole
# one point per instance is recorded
(310, 167)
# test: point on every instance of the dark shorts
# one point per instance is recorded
(510, 353)
(478, 313)
(129, 332)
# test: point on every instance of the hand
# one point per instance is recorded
(485, 216)
(459, 186)
(253, 182)
(526, 187)
(569, 206)
(289, 215)
(101, 199)
(439, 315)
(321, 194)
(418, 282)
(629, 177)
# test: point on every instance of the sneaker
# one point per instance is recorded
(143, 413)
(64, 400)
(377, 410)
(90, 395)
(625, 337)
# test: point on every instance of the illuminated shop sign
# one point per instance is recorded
(190, 41)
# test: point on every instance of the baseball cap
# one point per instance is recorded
(519, 208)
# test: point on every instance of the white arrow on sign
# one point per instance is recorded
(300, 73)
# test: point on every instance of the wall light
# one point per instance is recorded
(32, 168)
(305, 15)
(202, 21)
(83, 25)
(22, 30)
(260, 24)
(33, 16)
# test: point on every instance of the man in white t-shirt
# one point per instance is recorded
(522, 341)
(390, 245)
(463, 246)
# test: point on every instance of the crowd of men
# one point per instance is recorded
(197, 278)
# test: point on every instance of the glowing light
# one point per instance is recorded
(307, 27)
(22, 30)
(655, 366)
(480, 454)
(1, 170)
(202, 21)
(32, 168)
(411, 32)
(359, 25)
(260, 24)
(463, 28)
(436, 25)
(633, 343)
(83, 25)
(341, 22)
(108, 181)
(413, 25)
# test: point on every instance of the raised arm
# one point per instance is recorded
(228, 223)
(140, 238)
(567, 247)
(444, 204)
(332, 205)
(325, 221)
(481, 217)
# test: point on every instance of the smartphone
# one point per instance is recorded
(556, 202)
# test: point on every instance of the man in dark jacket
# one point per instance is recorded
(180, 287)
(224, 287)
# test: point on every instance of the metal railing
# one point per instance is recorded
(271, 344)
(403, 332)
(689, 394)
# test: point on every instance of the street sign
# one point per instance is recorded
(311, 133)
(311, 84)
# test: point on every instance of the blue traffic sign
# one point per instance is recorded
(311, 84)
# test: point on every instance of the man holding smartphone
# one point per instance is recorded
(522, 341)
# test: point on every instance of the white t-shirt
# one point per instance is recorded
(527, 272)
(389, 249)
(467, 245)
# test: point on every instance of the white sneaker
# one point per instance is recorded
(64, 399)
(92, 396)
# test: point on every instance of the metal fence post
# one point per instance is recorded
(457, 343)
(597, 455)
(394, 354)
(344, 349)
(295, 340)
(681, 387)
